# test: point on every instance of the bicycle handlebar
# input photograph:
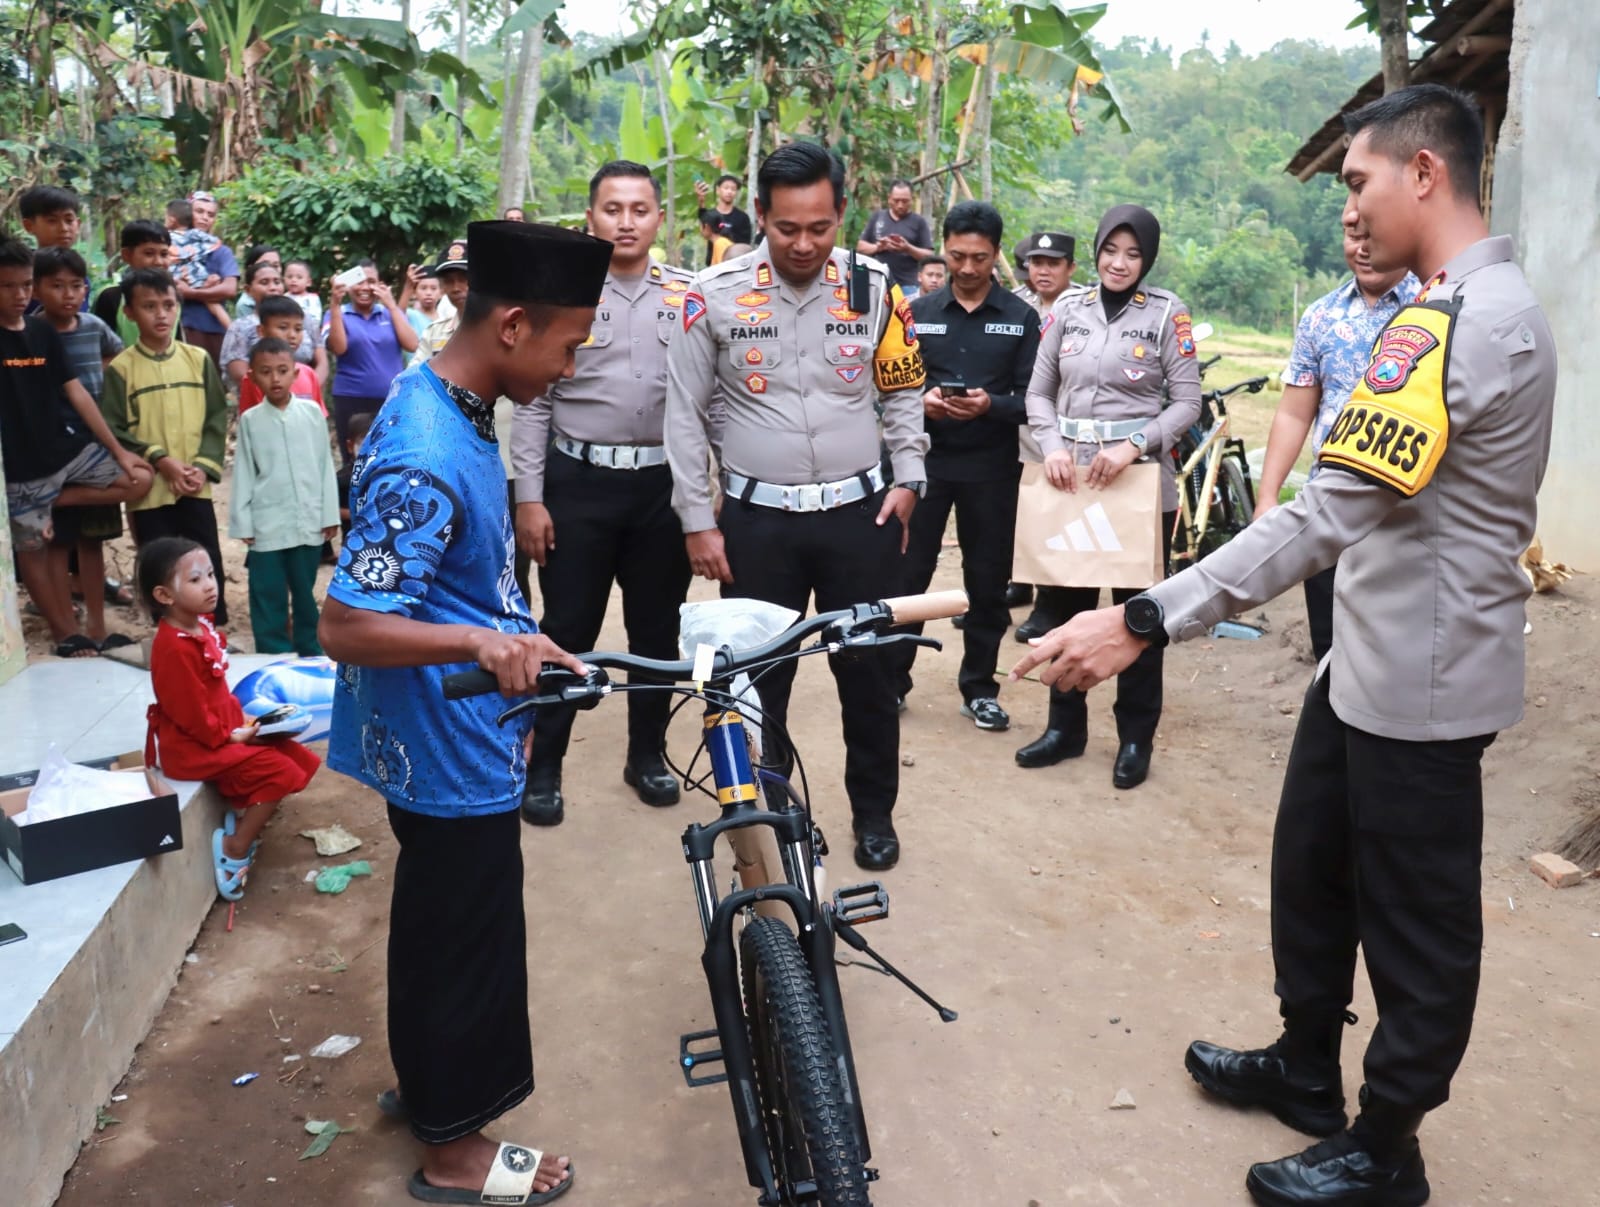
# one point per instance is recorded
(868, 619)
(1253, 384)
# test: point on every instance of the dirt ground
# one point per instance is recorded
(1084, 935)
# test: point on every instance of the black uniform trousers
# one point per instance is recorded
(986, 524)
(612, 525)
(1379, 842)
(188, 517)
(1319, 611)
(842, 557)
(1139, 689)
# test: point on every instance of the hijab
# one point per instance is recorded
(1146, 233)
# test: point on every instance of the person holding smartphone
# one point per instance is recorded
(371, 337)
(978, 342)
(899, 238)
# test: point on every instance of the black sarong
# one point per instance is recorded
(458, 972)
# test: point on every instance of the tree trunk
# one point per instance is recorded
(518, 125)
(659, 64)
(511, 83)
(984, 121)
(461, 93)
(397, 128)
(753, 153)
(1392, 30)
(933, 113)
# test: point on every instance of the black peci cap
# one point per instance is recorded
(536, 264)
(1021, 251)
(1052, 243)
(453, 257)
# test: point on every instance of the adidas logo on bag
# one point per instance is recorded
(166, 841)
(1090, 533)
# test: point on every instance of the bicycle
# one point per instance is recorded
(1214, 476)
(782, 1041)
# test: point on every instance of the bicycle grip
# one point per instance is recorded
(932, 605)
(462, 684)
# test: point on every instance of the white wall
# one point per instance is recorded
(1547, 196)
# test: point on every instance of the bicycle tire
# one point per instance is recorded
(809, 1125)
(1231, 509)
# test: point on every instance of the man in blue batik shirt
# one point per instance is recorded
(426, 585)
(1331, 348)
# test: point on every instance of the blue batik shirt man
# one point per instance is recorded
(430, 539)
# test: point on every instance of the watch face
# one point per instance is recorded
(1144, 616)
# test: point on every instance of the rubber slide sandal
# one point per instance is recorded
(510, 1182)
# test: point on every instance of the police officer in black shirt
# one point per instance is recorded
(978, 343)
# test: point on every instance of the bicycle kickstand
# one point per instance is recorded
(853, 937)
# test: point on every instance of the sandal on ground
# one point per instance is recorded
(117, 594)
(510, 1181)
(116, 641)
(230, 873)
(79, 645)
(230, 827)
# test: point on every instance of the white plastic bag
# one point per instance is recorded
(739, 624)
(67, 789)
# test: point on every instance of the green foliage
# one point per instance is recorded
(330, 212)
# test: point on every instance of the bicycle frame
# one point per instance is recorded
(1212, 449)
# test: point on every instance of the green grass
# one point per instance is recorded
(1247, 353)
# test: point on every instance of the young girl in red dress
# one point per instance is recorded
(197, 727)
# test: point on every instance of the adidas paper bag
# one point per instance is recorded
(1089, 538)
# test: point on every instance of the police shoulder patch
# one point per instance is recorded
(1396, 425)
(694, 309)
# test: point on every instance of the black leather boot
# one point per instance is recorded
(1297, 1078)
(1377, 1163)
(542, 804)
(1132, 766)
(648, 776)
(877, 845)
(1018, 595)
(1066, 732)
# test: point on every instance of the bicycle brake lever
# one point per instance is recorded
(933, 643)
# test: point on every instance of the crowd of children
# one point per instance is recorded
(119, 399)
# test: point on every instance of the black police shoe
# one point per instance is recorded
(1303, 1092)
(1034, 626)
(1051, 747)
(1132, 765)
(877, 845)
(654, 784)
(1343, 1171)
(958, 622)
(1018, 595)
(542, 804)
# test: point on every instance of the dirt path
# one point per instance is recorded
(1084, 935)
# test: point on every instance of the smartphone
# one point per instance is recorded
(351, 277)
(10, 932)
(953, 389)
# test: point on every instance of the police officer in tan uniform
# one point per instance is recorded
(594, 495)
(1112, 353)
(1439, 455)
(805, 509)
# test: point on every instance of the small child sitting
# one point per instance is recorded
(197, 728)
(284, 504)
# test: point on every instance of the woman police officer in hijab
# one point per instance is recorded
(1108, 359)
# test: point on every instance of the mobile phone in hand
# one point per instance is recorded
(953, 389)
(351, 277)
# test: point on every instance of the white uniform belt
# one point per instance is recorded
(613, 456)
(1099, 430)
(808, 496)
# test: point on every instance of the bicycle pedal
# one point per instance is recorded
(690, 1059)
(861, 903)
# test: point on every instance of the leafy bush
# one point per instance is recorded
(333, 212)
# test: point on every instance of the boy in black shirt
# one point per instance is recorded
(48, 458)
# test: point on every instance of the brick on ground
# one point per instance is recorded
(1554, 870)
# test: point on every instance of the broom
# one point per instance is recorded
(1581, 842)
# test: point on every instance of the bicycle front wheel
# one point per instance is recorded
(1231, 508)
(810, 1129)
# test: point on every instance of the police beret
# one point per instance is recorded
(1052, 243)
(532, 263)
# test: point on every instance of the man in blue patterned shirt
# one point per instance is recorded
(426, 585)
(1331, 347)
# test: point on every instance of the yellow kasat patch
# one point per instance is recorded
(896, 361)
(1396, 426)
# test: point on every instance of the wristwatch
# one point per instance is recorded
(1144, 617)
(1139, 442)
(920, 489)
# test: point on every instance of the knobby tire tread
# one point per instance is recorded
(780, 995)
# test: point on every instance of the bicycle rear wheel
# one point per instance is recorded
(809, 1124)
(1231, 508)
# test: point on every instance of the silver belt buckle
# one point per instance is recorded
(1086, 431)
(810, 497)
(624, 456)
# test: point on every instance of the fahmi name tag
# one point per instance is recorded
(1396, 426)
